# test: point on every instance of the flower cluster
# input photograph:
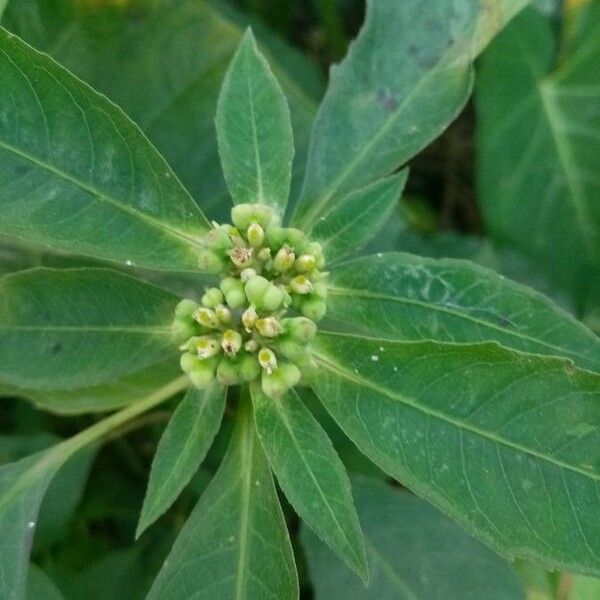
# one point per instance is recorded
(261, 319)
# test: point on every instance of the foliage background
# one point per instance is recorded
(84, 541)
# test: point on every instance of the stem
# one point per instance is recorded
(60, 453)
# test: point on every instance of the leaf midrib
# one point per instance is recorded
(248, 448)
(309, 218)
(440, 416)
(341, 291)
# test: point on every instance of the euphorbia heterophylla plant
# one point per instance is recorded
(476, 393)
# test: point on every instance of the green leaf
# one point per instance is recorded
(70, 160)
(539, 145)
(585, 588)
(182, 447)
(506, 443)
(40, 586)
(24, 483)
(403, 81)
(62, 330)
(401, 296)
(235, 544)
(169, 78)
(3, 4)
(104, 397)
(310, 474)
(350, 224)
(254, 130)
(415, 553)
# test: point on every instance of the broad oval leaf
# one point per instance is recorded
(311, 474)
(401, 296)
(403, 81)
(182, 447)
(235, 544)
(67, 329)
(539, 145)
(349, 224)
(76, 174)
(254, 130)
(506, 443)
(103, 397)
(415, 553)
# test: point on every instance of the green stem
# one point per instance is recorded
(59, 454)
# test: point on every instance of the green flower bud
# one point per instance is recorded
(236, 238)
(200, 372)
(268, 327)
(301, 284)
(286, 376)
(243, 215)
(284, 259)
(241, 257)
(210, 262)
(272, 299)
(280, 236)
(206, 347)
(234, 292)
(229, 283)
(255, 235)
(247, 274)
(255, 289)
(320, 289)
(249, 369)
(249, 318)
(217, 239)
(212, 298)
(223, 314)
(267, 359)
(305, 263)
(251, 346)
(206, 317)
(188, 361)
(294, 351)
(182, 329)
(236, 298)
(299, 329)
(313, 307)
(186, 309)
(231, 342)
(228, 372)
(264, 254)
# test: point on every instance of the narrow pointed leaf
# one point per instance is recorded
(69, 160)
(401, 296)
(506, 443)
(66, 329)
(182, 447)
(415, 553)
(254, 130)
(404, 80)
(235, 545)
(355, 220)
(539, 145)
(19, 507)
(310, 474)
